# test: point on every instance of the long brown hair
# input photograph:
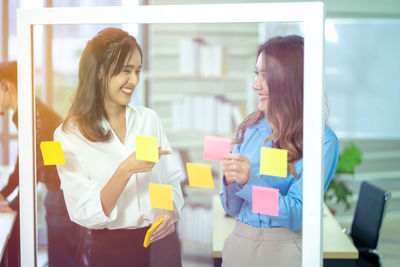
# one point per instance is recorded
(283, 61)
(8, 72)
(103, 57)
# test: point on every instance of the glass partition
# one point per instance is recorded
(221, 74)
(201, 79)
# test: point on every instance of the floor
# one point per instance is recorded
(389, 243)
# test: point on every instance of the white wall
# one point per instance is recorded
(363, 78)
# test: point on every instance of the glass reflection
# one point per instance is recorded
(218, 87)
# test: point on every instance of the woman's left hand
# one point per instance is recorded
(167, 227)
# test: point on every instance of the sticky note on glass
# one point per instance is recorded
(146, 148)
(149, 232)
(265, 200)
(215, 147)
(273, 161)
(52, 153)
(161, 196)
(199, 175)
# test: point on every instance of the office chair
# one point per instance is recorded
(367, 222)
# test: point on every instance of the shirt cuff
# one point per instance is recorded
(92, 214)
(245, 192)
(232, 201)
(113, 214)
(232, 188)
(101, 216)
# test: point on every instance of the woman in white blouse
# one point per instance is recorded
(105, 187)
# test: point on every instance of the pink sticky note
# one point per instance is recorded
(265, 200)
(215, 147)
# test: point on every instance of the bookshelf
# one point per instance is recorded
(169, 86)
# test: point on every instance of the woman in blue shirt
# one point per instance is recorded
(257, 239)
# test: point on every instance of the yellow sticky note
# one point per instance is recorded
(146, 148)
(161, 196)
(273, 162)
(149, 232)
(52, 153)
(199, 175)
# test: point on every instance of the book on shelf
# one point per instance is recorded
(211, 60)
(224, 117)
(189, 56)
(205, 113)
(199, 120)
(187, 112)
(210, 111)
(196, 57)
(177, 117)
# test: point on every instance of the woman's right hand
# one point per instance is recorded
(133, 165)
(136, 166)
(236, 168)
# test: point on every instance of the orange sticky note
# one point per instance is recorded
(149, 232)
(52, 153)
(273, 161)
(146, 148)
(199, 175)
(161, 196)
(265, 200)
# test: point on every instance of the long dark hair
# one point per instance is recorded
(103, 57)
(283, 60)
(8, 72)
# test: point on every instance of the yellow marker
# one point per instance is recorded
(273, 162)
(161, 196)
(146, 148)
(149, 232)
(199, 175)
(52, 153)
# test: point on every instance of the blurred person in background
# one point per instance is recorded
(62, 234)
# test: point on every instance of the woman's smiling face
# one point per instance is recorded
(260, 84)
(121, 86)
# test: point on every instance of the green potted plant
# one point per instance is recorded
(338, 192)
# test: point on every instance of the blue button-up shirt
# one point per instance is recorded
(237, 199)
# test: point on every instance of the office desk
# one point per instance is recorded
(6, 223)
(338, 250)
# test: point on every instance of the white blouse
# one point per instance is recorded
(90, 165)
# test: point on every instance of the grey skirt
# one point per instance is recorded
(267, 247)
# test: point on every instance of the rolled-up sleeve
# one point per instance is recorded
(82, 195)
(230, 201)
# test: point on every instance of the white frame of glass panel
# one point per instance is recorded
(310, 13)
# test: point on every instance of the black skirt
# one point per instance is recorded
(124, 247)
